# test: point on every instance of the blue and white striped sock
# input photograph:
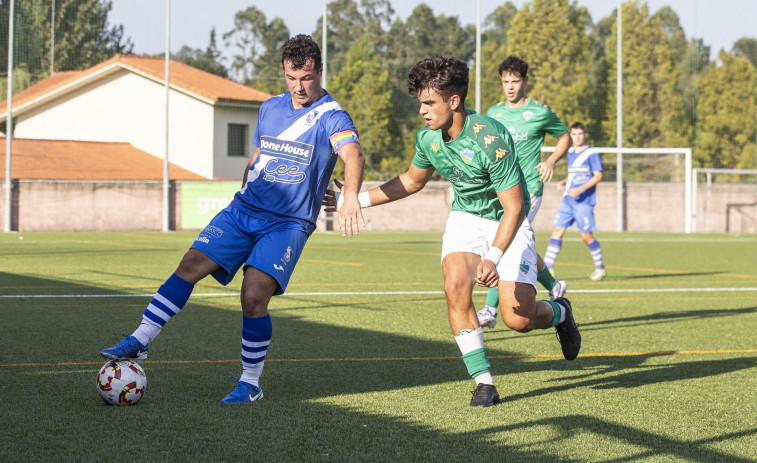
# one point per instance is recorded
(167, 302)
(256, 335)
(596, 254)
(553, 249)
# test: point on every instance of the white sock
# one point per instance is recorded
(484, 378)
(470, 340)
(252, 374)
(147, 331)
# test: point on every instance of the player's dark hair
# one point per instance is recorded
(444, 74)
(299, 50)
(514, 65)
(578, 125)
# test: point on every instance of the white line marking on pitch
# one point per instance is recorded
(377, 293)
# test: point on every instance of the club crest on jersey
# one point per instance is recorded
(311, 117)
(467, 156)
(527, 115)
(524, 267)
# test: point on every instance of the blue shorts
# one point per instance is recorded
(234, 238)
(582, 214)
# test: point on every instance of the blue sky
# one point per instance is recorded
(719, 23)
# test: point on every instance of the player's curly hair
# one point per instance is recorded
(514, 65)
(444, 74)
(299, 49)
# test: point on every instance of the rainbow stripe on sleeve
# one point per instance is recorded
(339, 139)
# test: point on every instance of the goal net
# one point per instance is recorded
(652, 187)
(724, 200)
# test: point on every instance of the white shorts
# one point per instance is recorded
(468, 233)
(535, 205)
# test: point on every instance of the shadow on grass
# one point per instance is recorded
(668, 275)
(181, 417)
(671, 316)
(650, 445)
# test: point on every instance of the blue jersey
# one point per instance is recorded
(289, 178)
(581, 168)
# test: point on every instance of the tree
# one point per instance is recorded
(690, 59)
(208, 60)
(362, 88)
(746, 47)
(551, 35)
(83, 36)
(493, 52)
(726, 127)
(652, 109)
(348, 23)
(246, 36)
(268, 72)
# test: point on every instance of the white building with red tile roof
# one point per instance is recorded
(122, 100)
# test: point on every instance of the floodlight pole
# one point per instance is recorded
(478, 56)
(52, 38)
(325, 51)
(619, 120)
(9, 124)
(166, 207)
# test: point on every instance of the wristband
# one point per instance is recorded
(494, 254)
(364, 199)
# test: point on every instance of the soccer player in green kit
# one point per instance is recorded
(488, 240)
(527, 121)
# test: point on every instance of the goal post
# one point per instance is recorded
(709, 173)
(647, 165)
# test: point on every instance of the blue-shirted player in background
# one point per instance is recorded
(584, 173)
(298, 138)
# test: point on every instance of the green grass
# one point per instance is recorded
(663, 376)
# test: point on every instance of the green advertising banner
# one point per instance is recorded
(201, 201)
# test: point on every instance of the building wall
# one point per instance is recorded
(231, 167)
(108, 206)
(126, 107)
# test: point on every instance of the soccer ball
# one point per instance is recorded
(121, 382)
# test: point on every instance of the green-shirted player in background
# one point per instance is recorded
(527, 121)
(488, 240)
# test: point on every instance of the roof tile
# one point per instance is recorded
(81, 160)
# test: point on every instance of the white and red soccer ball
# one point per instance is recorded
(121, 382)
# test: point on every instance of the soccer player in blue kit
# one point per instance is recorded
(299, 136)
(577, 206)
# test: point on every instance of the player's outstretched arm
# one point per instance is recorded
(547, 167)
(350, 215)
(399, 187)
(512, 217)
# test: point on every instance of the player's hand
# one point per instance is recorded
(331, 200)
(574, 192)
(350, 212)
(546, 170)
(486, 274)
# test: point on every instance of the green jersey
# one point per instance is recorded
(527, 125)
(479, 163)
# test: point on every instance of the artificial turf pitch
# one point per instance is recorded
(362, 365)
